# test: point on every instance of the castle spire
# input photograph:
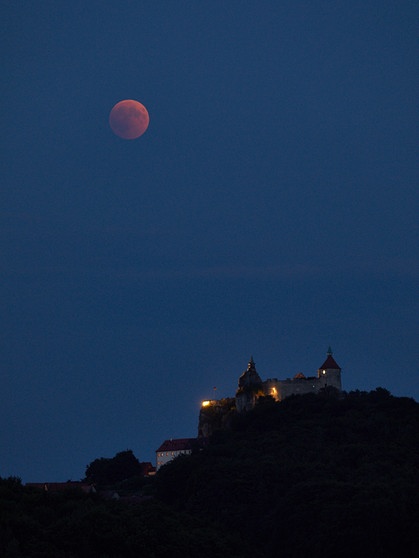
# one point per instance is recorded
(329, 351)
(250, 376)
(250, 385)
(330, 363)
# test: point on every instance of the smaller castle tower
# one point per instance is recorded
(329, 373)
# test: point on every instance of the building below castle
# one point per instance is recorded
(251, 386)
(170, 449)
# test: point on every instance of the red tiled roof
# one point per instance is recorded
(178, 444)
(330, 363)
(147, 468)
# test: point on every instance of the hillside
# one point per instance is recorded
(315, 475)
(35, 524)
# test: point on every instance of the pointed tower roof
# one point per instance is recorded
(250, 377)
(330, 363)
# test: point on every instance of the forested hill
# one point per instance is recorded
(328, 475)
(314, 475)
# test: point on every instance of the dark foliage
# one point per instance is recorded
(111, 471)
(316, 475)
(329, 475)
(73, 525)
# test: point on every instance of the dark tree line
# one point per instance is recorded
(111, 471)
(328, 475)
(35, 524)
(315, 475)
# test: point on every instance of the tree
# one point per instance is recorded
(108, 471)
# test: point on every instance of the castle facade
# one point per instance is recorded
(251, 386)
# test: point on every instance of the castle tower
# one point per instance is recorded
(329, 372)
(250, 386)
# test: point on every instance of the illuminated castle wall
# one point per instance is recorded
(251, 385)
(216, 414)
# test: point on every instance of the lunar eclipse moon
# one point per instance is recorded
(129, 119)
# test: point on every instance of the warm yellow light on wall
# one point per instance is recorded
(206, 403)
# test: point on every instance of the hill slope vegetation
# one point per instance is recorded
(315, 475)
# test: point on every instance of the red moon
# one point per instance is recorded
(129, 119)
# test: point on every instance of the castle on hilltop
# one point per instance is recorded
(251, 387)
(217, 414)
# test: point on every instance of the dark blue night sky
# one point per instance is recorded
(269, 210)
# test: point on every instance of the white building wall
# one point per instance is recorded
(163, 457)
